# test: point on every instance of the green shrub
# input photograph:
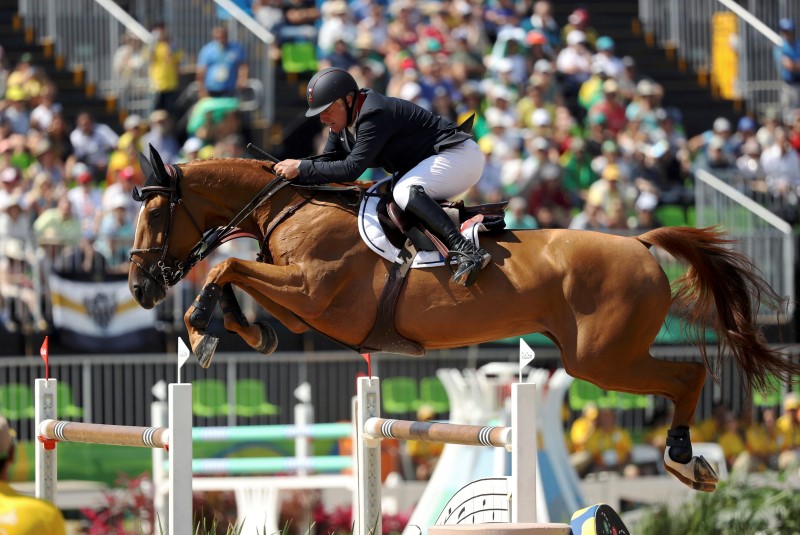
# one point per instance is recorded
(755, 505)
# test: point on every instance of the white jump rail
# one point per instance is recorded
(519, 439)
(177, 439)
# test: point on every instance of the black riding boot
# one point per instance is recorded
(470, 259)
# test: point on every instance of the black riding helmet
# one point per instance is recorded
(326, 87)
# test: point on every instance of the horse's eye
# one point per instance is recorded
(155, 213)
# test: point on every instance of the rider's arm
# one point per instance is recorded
(371, 136)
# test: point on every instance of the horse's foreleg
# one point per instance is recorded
(285, 282)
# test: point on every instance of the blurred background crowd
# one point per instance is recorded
(574, 135)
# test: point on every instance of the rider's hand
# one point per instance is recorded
(288, 169)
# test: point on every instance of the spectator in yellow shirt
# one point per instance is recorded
(732, 443)
(165, 60)
(610, 445)
(764, 442)
(789, 426)
(711, 428)
(22, 515)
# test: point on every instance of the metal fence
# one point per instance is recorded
(119, 389)
(764, 237)
(89, 34)
(685, 26)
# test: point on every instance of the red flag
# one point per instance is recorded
(369, 364)
(43, 354)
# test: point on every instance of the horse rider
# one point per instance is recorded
(431, 157)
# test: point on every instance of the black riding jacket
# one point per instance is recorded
(391, 133)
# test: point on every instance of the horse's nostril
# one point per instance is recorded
(137, 292)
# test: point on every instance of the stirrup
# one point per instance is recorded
(469, 265)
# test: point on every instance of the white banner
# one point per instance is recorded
(97, 309)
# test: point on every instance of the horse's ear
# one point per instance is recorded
(147, 169)
(158, 166)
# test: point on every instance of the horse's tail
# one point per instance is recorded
(719, 290)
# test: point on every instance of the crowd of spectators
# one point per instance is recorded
(573, 134)
(767, 441)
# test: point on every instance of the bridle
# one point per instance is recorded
(169, 271)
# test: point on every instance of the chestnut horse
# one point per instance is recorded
(600, 298)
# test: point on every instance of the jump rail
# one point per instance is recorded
(177, 438)
(519, 438)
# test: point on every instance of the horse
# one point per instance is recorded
(600, 298)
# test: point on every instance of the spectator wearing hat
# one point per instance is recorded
(749, 172)
(574, 65)
(466, 63)
(591, 217)
(116, 231)
(721, 129)
(165, 60)
(542, 21)
(373, 29)
(46, 162)
(403, 27)
(86, 201)
(787, 58)
(15, 223)
(644, 105)
(43, 114)
(628, 79)
(191, 149)
(336, 25)
(745, 130)
(471, 105)
(781, 165)
(605, 57)
(25, 83)
(610, 189)
(645, 206)
(544, 71)
(789, 426)
(22, 515)
(578, 172)
(517, 216)
(579, 20)
(122, 188)
(610, 107)
(716, 161)
(591, 91)
(533, 100)
(10, 184)
(161, 136)
(93, 143)
(538, 48)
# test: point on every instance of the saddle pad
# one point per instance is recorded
(372, 233)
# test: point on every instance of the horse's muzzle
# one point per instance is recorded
(145, 291)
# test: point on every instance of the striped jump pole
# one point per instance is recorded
(177, 439)
(519, 439)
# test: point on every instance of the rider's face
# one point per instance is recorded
(335, 116)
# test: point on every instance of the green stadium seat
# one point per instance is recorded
(582, 392)
(16, 402)
(299, 57)
(432, 392)
(772, 396)
(66, 403)
(209, 398)
(671, 215)
(626, 401)
(399, 395)
(251, 399)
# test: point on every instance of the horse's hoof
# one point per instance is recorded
(205, 350)
(269, 339)
(697, 473)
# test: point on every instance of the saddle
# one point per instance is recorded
(410, 236)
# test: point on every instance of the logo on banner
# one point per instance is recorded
(101, 308)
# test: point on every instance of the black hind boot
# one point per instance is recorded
(470, 259)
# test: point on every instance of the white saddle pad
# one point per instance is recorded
(372, 233)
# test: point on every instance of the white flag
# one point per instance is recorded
(526, 355)
(183, 355)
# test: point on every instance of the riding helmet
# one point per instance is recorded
(326, 87)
